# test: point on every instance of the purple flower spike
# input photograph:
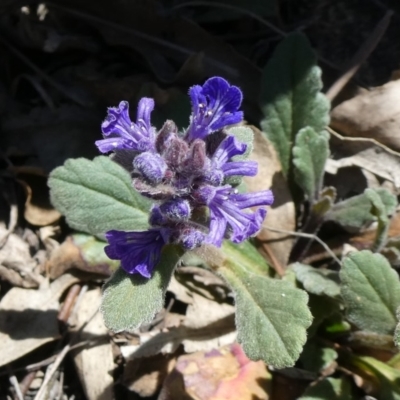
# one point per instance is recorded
(224, 211)
(188, 175)
(151, 166)
(139, 252)
(215, 105)
(122, 134)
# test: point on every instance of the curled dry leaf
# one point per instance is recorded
(281, 215)
(83, 252)
(38, 209)
(94, 361)
(220, 374)
(365, 154)
(372, 114)
(28, 318)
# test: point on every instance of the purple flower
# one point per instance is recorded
(215, 105)
(226, 210)
(122, 134)
(185, 174)
(221, 166)
(139, 252)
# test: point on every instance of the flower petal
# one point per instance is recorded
(139, 252)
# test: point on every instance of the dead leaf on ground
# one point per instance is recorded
(83, 252)
(16, 263)
(372, 114)
(366, 155)
(146, 376)
(94, 362)
(207, 325)
(38, 209)
(281, 215)
(28, 318)
(220, 374)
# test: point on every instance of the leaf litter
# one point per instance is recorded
(64, 63)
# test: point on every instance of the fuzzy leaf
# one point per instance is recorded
(271, 315)
(329, 388)
(371, 291)
(131, 300)
(318, 281)
(290, 96)
(96, 196)
(356, 212)
(397, 330)
(310, 153)
(382, 211)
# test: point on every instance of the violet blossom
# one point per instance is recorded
(186, 174)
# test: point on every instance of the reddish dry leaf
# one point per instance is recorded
(217, 375)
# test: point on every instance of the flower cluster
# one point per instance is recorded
(186, 174)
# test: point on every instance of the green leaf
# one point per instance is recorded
(271, 315)
(371, 291)
(323, 308)
(92, 251)
(132, 300)
(247, 256)
(381, 210)
(316, 358)
(318, 281)
(96, 196)
(356, 212)
(290, 96)
(310, 153)
(383, 379)
(397, 330)
(329, 388)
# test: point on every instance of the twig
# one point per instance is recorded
(362, 54)
(43, 75)
(241, 10)
(306, 235)
(14, 383)
(65, 311)
(27, 381)
(51, 370)
(362, 139)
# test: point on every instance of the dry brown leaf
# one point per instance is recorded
(202, 313)
(16, 264)
(207, 325)
(94, 362)
(217, 375)
(38, 209)
(372, 114)
(366, 155)
(28, 318)
(145, 377)
(281, 215)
